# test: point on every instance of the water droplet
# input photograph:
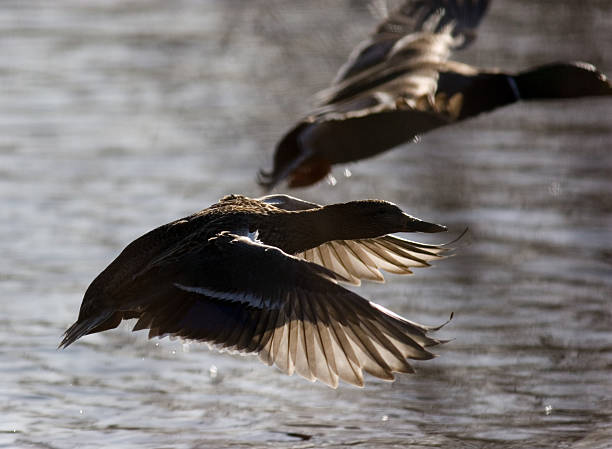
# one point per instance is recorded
(173, 352)
(213, 372)
(385, 418)
(81, 412)
(331, 180)
(554, 188)
(347, 173)
(416, 139)
(548, 410)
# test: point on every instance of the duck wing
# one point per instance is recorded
(288, 202)
(242, 295)
(357, 260)
(412, 42)
(362, 259)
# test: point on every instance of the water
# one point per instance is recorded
(119, 116)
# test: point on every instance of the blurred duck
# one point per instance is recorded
(261, 276)
(400, 83)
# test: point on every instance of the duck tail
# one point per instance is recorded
(294, 160)
(462, 16)
(287, 157)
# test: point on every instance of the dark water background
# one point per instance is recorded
(118, 116)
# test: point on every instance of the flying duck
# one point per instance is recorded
(400, 83)
(262, 276)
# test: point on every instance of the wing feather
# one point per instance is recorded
(357, 260)
(281, 344)
(264, 347)
(322, 355)
(289, 311)
(345, 363)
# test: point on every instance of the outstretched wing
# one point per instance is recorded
(357, 260)
(411, 43)
(289, 311)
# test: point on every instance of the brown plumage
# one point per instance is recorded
(261, 276)
(399, 84)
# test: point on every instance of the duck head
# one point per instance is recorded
(563, 80)
(373, 218)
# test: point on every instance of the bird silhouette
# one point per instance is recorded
(400, 83)
(261, 276)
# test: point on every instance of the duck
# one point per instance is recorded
(263, 276)
(400, 84)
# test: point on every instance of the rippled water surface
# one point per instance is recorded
(118, 116)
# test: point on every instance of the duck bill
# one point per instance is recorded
(413, 224)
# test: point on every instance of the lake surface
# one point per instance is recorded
(119, 116)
